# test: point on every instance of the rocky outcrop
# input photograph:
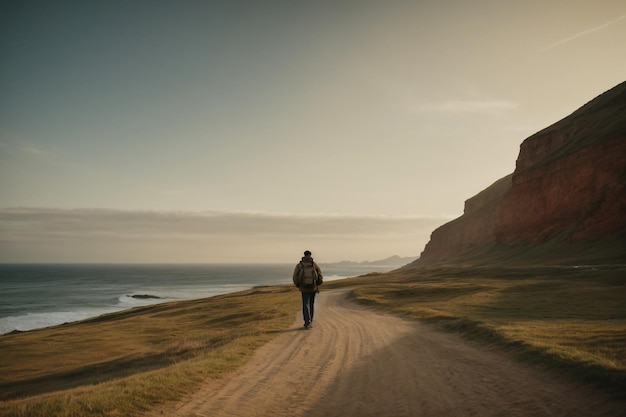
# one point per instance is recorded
(569, 187)
(476, 227)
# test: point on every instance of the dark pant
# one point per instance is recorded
(308, 301)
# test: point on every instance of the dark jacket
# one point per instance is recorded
(296, 274)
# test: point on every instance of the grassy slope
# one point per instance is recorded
(558, 250)
(122, 363)
(573, 319)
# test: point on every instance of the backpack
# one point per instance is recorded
(308, 275)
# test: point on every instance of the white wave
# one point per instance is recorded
(31, 321)
(172, 294)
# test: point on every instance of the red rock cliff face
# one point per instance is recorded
(475, 227)
(581, 194)
(569, 183)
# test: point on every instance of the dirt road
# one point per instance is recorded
(359, 362)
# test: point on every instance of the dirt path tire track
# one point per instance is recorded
(359, 362)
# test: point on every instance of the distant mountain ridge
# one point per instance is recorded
(394, 260)
(565, 201)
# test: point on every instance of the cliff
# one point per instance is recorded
(476, 227)
(566, 198)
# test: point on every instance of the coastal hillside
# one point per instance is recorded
(564, 203)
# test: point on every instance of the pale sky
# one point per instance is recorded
(247, 131)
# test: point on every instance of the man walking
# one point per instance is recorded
(307, 276)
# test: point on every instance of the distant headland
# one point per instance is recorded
(394, 260)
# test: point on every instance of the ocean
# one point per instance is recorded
(41, 295)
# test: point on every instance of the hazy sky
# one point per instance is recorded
(208, 131)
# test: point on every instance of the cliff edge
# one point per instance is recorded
(565, 201)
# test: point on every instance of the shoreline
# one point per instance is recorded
(37, 296)
(162, 352)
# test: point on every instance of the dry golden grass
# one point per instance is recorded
(122, 364)
(570, 318)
